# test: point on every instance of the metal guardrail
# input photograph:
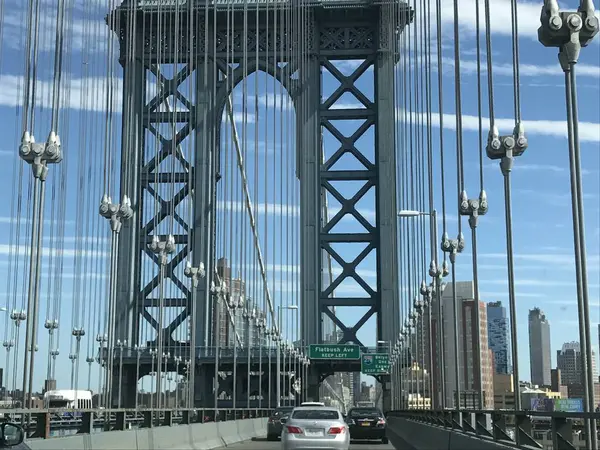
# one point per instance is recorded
(518, 429)
(40, 424)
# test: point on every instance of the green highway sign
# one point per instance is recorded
(375, 363)
(333, 351)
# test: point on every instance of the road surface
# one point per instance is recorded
(263, 444)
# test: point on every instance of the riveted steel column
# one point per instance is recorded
(206, 139)
(309, 159)
(388, 313)
(128, 258)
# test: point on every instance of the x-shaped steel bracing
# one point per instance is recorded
(367, 174)
(152, 179)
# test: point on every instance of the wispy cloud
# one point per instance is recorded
(557, 198)
(239, 117)
(79, 276)
(84, 93)
(588, 132)
(541, 168)
(89, 34)
(502, 267)
(71, 240)
(25, 220)
(545, 258)
(536, 283)
(24, 250)
(469, 67)
(500, 10)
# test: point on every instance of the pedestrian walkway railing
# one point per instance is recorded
(519, 429)
(46, 423)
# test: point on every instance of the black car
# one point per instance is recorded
(274, 424)
(11, 436)
(367, 424)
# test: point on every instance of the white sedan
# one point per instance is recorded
(309, 427)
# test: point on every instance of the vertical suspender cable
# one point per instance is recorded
(506, 165)
(579, 239)
(473, 222)
(431, 207)
(457, 245)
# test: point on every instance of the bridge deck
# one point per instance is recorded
(263, 444)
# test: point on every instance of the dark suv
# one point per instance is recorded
(274, 424)
(367, 424)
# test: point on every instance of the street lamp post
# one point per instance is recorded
(279, 308)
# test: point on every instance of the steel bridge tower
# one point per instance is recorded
(360, 30)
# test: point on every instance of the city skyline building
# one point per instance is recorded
(240, 320)
(568, 361)
(469, 361)
(498, 337)
(540, 355)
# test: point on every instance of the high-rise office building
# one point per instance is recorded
(539, 348)
(568, 360)
(498, 336)
(470, 314)
(240, 321)
(555, 380)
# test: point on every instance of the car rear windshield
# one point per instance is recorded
(364, 412)
(281, 411)
(316, 414)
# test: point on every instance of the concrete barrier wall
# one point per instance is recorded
(410, 435)
(198, 436)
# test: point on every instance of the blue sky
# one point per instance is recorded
(541, 209)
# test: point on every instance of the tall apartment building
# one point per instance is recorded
(539, 348)
(469, 311)
(498, 337)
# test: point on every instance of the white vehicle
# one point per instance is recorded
(68, 399)
(315, 427)
(312, 404)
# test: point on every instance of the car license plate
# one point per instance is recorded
(365, 424)
(313, 432)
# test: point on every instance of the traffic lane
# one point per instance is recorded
(263, 444)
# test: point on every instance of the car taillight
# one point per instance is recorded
(294, 430)
(337, 430)
(270, 420)
(381, 422)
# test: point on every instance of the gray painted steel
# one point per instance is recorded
(410, 435)
(199, 436)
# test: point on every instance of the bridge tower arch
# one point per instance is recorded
(362, 30)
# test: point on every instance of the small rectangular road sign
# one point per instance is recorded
(333, 351)
(375, 363)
